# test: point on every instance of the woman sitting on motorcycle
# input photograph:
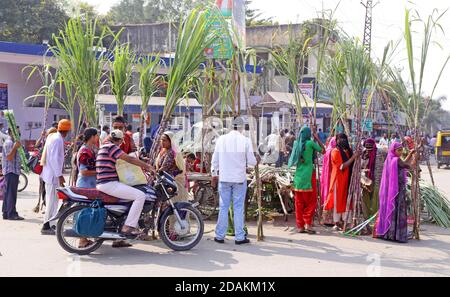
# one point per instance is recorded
(86, 167)
(86, 159)
(108, 180)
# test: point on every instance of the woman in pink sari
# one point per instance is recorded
(392, 222)
(325, 180)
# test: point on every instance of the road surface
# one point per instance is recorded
(24, 252)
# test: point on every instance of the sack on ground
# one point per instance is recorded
(90, 221)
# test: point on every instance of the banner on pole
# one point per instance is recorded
(307, 89)
(226, 7)
(3, 96)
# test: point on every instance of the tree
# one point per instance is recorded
(30, 21)
(128, 11)
(434, 116)
(144, 11)
(75, 8)
(253, 16)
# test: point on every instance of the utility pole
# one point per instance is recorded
(367, 40)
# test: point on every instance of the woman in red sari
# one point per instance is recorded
(342, 159)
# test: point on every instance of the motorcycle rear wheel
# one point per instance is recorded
(64, 227)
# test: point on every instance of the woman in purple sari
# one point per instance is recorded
(392, 222)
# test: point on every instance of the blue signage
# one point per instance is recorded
(3, 96)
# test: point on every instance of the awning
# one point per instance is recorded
(156, 104)
(279, 100)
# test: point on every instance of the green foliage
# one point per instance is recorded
(253, 16)
(121, 74)
(30, 21)
(193, 37)
(141, 11)
(79, 53)
(290, 61)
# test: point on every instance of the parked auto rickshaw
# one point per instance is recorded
(443, 148)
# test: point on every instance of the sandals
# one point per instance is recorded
(337, 228)
(132, 233)
(86, 244)
(121, 244)
(310, 232)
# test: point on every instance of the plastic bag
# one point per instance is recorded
(130, 174)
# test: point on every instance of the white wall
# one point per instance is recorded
(18, 90)
(280, 84)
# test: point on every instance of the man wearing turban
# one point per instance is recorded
(52, 174)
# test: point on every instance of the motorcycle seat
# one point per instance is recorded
(93, 194)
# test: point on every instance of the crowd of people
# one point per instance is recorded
(384, 174)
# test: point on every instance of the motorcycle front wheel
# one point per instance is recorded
(68, 239)
(185, 235)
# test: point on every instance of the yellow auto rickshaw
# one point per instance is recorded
(443, 148)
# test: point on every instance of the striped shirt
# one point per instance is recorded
(106, 163)
(10, 166)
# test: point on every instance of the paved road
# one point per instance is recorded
(24, 252)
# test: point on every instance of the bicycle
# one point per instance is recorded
(205, 195)
(23, 179)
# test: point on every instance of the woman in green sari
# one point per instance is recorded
(305, 187)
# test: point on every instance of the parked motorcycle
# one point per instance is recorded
(180, 225)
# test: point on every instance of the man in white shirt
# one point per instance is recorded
(232, 155)
(433, 141)
(273, 148)
(104, 134)
(136, 137)
(3, 137)
(52, 172)
(384, 140)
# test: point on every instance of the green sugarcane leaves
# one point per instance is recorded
(121, 74)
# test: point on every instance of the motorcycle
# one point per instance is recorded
(180, 224)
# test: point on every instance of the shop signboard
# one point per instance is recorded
(3, 96)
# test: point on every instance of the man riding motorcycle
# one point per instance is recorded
(108, 180)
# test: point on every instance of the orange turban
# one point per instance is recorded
(64, 125)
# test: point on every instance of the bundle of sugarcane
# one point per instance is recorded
(435, 203)
(282, 176)
(9, 115)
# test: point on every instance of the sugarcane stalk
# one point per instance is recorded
(156, 142)
(386, 102)
(319, 199)
(416, 197)
(430, 171)
(354, 195)
(354, 231)
(260, 231)
(281, 200)
(141, 129)
(9, 115)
